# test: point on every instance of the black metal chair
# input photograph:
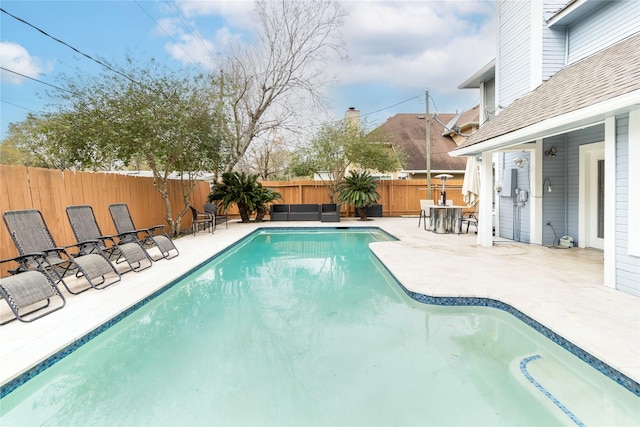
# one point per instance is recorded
(30, 235)
(204, 218)
(468, 218)
(149, 237)
(85, 227)
(220, 215)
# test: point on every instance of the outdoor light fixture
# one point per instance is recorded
(443, 194)
(547, 183)
(521, 161)
(551, 152)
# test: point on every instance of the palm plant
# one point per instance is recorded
(264, 196)
(359, 189)
(246, 192)
(238, 188)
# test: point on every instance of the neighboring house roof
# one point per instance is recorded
(612, 74)
(408, 132)
(464, 124)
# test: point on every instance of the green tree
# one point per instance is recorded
(166, 119)
(359, 189)
(340, 145)
(38, 141)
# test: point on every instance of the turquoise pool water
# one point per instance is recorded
(307, 328)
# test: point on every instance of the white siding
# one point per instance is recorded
(514, 54)
(627, 267)
(612, 22)
(553, 42)
(554, 203)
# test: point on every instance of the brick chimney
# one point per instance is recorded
(353, 116)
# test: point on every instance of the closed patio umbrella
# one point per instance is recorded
(471, 183)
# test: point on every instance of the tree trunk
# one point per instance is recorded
(363, 214)
(244, 212)
(260, 215)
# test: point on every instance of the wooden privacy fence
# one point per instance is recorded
(52, 190)
(398, 197)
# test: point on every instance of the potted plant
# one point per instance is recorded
(359, 189)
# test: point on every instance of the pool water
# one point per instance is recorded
(308, 328)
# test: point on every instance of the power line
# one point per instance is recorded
(194, 32)
(19, 106)
(167, 34)
(35, 80)
(390, 106)
(107, 66)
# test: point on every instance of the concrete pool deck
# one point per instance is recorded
(561, 289)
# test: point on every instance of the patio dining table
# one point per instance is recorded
(445, 218)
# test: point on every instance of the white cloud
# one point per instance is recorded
(438, 43)
(236, 13)
(16, 58)
(404, 46)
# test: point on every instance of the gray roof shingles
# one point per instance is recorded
(602, 76)
(407, 131)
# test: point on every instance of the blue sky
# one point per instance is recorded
(397, 50)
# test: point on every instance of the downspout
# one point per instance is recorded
(566, 188)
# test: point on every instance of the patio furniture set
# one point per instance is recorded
(31, 291)
(446, 218)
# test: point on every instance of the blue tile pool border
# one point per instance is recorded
(525, 371)
(596, 363)
(617, 376)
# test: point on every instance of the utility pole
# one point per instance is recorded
(428, 142)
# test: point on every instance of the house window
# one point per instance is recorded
(600, 207)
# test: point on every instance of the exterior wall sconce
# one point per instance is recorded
(521, 161)
(551, 152)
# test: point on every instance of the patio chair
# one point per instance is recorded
(425, 212)
(204, 218)
(30, 235)
(468, 218)
(85, 228)
(30, 291)
(220, 215)
(148, 237)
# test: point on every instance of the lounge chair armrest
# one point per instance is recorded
(19, 258)
(156, 229)
(40, 258)
(83, 244)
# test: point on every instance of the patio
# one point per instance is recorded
(561, 289)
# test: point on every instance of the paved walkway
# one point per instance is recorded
(561, 289)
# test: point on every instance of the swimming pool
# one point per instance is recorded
(308, 328)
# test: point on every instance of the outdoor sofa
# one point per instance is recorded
(329, 212)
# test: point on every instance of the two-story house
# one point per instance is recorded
(559, 140)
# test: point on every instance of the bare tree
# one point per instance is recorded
(271, 82)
